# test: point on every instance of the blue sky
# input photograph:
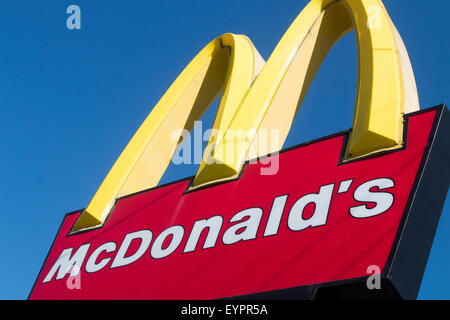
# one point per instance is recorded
(71, 100)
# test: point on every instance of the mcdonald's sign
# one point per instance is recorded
(335, 211)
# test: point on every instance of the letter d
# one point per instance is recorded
(120, 260)
(321, 200)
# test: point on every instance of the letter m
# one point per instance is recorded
(67, 263)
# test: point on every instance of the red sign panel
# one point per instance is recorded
(317, 221)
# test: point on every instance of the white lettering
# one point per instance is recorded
(91, 265)
(65, 264)
(213, 224)
(120, 260)
(251, 226)
(157, 251)
(321, 200)
(383, 200)
(275, 215)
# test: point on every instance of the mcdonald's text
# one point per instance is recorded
(374, 196)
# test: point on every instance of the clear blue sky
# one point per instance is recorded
(71, 99)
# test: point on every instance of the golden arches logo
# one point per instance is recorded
(258, 95)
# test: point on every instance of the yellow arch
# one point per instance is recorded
(386, 86)
(386, 90)
(229, 63)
